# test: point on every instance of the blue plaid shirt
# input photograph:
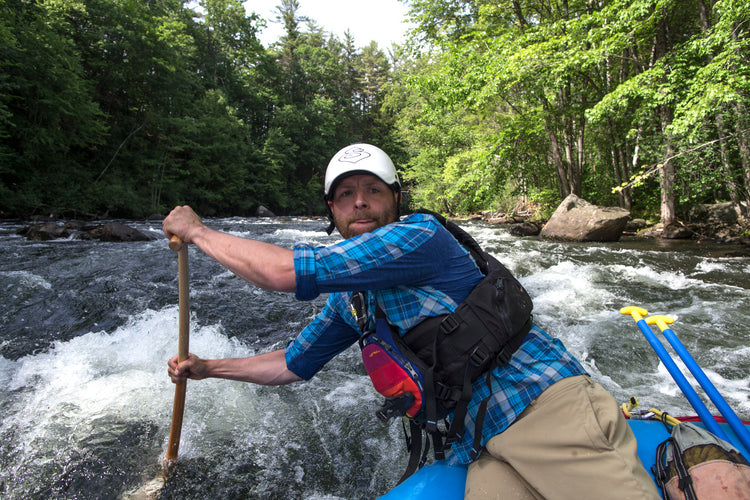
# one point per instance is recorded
(415, 269)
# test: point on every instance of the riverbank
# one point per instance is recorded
(716, 225)
(719, 223)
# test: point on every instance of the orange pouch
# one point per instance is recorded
(389, 369)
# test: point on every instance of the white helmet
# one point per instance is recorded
(360, 159)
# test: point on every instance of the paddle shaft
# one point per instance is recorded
(178, 408)
(726, 411)
(692, 396)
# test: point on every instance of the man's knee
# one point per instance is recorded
(492, 479)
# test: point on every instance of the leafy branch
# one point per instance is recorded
(647, 171)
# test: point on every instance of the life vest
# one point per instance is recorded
(428, 372)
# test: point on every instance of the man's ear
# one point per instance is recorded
(330, 204)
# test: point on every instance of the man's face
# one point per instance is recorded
(362, 203)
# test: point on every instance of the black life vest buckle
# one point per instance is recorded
(449, 325)
(479, 355)
(504, 355)
(443, 391)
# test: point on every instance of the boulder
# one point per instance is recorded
(717, 214)
(654, 231)
(111, 231)
(636, 225)
(676, 231)
(44, 232)
(115, 231)
(578, 220)
(524, 229)
(501, 220)
(264, 212)
(77, 225)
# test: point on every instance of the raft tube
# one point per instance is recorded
(445, 479)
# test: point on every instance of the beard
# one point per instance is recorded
(348, 227)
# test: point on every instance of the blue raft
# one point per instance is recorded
(445, 479)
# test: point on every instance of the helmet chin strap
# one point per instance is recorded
(331, 225)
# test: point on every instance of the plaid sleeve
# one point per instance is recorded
(325, 337)
(304, 270)
(387, 257)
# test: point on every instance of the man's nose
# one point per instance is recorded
(360, 198)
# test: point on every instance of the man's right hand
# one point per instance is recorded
(182, 221)
(193, 367)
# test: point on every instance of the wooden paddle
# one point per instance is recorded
(182, 348)
(151, 489)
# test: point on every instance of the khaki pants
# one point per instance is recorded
(572, 442)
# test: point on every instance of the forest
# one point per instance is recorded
(125, 108)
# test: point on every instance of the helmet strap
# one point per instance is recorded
(329, 213)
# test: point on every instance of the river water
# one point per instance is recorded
(86, 328)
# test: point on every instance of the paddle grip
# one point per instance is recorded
(175, 243)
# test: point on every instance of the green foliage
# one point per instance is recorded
(546, 201)
(125, 108)
(577, 96)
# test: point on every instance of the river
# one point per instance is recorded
(86, 328)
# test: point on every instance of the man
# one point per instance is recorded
(568, 438)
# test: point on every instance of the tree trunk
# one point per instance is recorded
(668, 215)
(619, 160)
(743, 142)
(558, 162)
(577, 177)
(726, 168)
(667, 173)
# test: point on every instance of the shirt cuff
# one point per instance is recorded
(304, 272)
(294, 365)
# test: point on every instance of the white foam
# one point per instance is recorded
(27, 279)
(301, 235)
(120, 374)
(648, 276)
(567, 289)
(707, 266)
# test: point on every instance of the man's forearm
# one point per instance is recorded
(264, 369)
(263, 264)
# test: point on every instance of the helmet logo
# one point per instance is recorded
(354, 155)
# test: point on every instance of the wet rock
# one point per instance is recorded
(44, 232)
(76, 225)
(578, 220)
(116, 231)
(264, 212)
(524, 229)
(111, 231)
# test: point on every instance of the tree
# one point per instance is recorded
(50, 120)
(614, 86)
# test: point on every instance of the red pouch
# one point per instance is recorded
(390, 371)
